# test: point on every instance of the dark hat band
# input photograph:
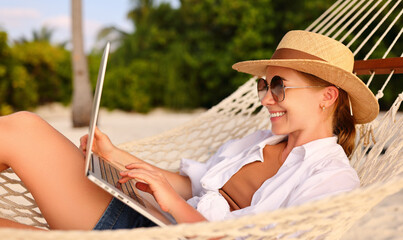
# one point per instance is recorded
(289, 53)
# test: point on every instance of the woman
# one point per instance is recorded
(314, 101)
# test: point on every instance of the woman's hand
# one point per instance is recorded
(150, 180)
(102, 145)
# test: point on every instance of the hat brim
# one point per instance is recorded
(364, 104)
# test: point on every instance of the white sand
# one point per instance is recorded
(120, 126)
(385, 221)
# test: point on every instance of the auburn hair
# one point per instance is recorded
(343, 122)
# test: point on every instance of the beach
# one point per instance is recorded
(385, 221)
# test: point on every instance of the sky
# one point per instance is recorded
(20, 17)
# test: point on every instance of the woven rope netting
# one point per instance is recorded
(365, 26)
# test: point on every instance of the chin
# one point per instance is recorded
(278, 131)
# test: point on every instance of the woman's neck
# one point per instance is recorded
(299, 138)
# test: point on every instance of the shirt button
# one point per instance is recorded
(204, 185)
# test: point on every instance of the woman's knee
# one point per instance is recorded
(14, 128)
(25, 115)
(21, 126)
(23, 120)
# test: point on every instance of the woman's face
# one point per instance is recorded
(300, 111)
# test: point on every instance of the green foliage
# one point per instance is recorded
(24, 90)
(50, 68)
(5, 108)
(17, 90)
(32, 73)
(132, 87)
(182, 58)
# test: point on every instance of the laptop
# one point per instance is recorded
(105, 175)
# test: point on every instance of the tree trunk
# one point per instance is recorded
(82, 92)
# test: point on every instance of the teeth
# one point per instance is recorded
(277, 114)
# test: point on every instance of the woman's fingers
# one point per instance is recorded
(141, 176)
(138, 174)
(133, 166)
(124, 179)
(141, 172)
(140, 165)
(139, 185)
(151, 181)
(83, 143)
(98, 133)
(144, 187)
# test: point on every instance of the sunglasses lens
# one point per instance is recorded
(277, 88)
(261, 88)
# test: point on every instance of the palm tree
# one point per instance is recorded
(82, 93)
(110, 34)
(44, 34)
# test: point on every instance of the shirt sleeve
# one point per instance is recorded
(196, 170)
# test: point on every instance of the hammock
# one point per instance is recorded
(378, 156)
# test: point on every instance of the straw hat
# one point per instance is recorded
(325, 58)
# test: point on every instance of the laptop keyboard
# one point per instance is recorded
(111, 175)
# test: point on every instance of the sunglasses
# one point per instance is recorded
(277, 88)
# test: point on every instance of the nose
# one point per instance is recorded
(267, 99)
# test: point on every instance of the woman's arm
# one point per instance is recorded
(124, 160)
(119, 158)
(155, 183)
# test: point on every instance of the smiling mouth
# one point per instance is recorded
(277, 114)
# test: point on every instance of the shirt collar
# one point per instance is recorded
(306, 151)
(273, 140)
(303, 152)
(319, 144)
(270, 140)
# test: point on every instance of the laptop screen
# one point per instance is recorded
(95, 106)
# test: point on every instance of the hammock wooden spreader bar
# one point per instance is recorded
(379, 66)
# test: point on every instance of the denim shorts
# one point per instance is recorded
(120, 216)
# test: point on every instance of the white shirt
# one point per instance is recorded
(312, 171)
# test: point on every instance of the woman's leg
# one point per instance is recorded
(52, 168)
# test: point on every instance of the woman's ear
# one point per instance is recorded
(330, 94)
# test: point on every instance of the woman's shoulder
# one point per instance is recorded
(327, 156)
(325, 149)
(335, 165)
(325, 172)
